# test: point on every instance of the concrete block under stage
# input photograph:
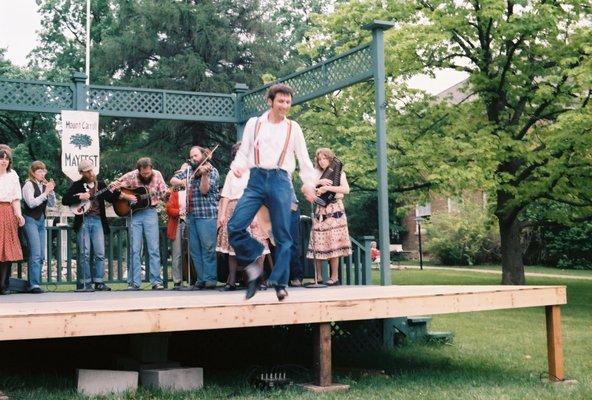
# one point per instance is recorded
(173, 378)
(94, 382)
(334, 387)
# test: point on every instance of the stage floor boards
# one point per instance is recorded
(54, 315)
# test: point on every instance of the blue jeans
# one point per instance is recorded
(144, 223)
(273, 188)
(91, 234)
(35, 232)
(202, 247)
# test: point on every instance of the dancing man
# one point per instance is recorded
(267, 150)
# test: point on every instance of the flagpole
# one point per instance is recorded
(87, 42)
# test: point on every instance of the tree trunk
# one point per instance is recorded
(512, 265)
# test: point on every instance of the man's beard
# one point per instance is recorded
(145, 181)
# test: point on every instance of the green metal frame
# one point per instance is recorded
(359, 64)
(336, 73)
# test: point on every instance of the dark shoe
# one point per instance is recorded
(158, 286)
(295, 283)
(210, 286)
(86, 288)
(281, 293)
(200, 286)
(4, 292)
(36, 290)
(331, 282)
(101, 287)
(178, 286)
(252, 287)
(228, 288)
(132, 287)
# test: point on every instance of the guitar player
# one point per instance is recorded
(144, 222)
(91, 226)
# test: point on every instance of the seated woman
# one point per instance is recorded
(329, 236)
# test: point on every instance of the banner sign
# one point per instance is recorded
(80, 141)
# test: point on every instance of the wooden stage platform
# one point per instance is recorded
(58, 315)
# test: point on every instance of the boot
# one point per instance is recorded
(4, 278)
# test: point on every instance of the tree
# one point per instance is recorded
(191, 46)
(525, 133)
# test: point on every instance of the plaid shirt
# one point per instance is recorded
(157, 188)
(202, 205)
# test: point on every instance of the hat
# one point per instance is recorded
(85, 165)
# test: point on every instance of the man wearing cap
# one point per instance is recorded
(90, 226)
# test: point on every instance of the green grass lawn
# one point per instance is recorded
(528, 268)
(495, 355)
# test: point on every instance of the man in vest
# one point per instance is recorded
(267, 150)
(91, 224)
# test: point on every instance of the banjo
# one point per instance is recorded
(84, 206)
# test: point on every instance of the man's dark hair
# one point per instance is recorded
(143, 162)
(279, 88)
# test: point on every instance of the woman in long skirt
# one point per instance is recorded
(329, 236)
(10, 218)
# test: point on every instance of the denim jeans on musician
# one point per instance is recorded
(273, 188)
(144, 223)
(90, 235)
(202, 247)
(35, 232)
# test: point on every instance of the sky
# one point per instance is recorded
(19, 23)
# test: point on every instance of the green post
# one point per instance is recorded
(239, 90)
(80, 99)
(378, 27)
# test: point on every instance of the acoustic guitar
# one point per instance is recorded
(123, 207)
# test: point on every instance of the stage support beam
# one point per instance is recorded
(554, 346)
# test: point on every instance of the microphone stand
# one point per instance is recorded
(189, 285)
(86, 287)
(314, 285)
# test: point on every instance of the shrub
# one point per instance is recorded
(466, 237)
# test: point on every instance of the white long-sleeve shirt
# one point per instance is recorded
(29, 195)
(271, 139)
(10, 188)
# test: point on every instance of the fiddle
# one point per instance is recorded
(204, 166)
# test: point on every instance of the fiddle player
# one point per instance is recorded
(202, 180)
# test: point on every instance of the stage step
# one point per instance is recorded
(440, 337)
(415, 329)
